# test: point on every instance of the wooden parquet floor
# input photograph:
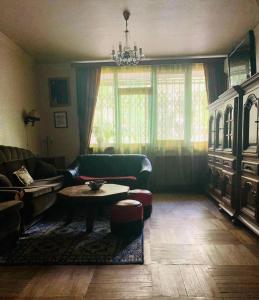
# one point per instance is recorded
(192, 251)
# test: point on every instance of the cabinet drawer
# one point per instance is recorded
(228, 176)
(250, 167)
(218, 160)
(249, 197)
(228, 185)
(210, 175)
(229, 163)
(210, 159)
(250, 184)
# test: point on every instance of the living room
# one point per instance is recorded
(199, 236)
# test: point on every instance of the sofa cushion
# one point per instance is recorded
(2, 169)
(31, 164)
(4, 181)
(55, 186)
(34, 192)
(44, 181)
(23, 176)
(44, 170)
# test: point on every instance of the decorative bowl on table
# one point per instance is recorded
(95, 185)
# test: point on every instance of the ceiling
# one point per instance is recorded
(69, 30)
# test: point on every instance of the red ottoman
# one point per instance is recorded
(127, 217)
(145, 197)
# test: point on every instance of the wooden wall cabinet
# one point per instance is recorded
(249, 183)
(222, 158)
(234, 160)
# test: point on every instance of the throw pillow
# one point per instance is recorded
(4, 181)
(23, 176)
(45, 170)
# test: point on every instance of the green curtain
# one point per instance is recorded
(87, 85)
(216, 79)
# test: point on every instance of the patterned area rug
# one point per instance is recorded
(55, 242)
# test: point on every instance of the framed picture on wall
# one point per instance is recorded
(60, 119)
(59, 92)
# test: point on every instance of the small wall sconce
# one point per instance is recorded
(31, 117)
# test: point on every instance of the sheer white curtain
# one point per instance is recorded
(152, 109)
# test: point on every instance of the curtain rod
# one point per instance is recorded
(152, 60)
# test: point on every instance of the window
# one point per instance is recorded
(150, 108)
(170, 103)
(199, 106)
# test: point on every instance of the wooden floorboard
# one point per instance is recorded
(192, 252)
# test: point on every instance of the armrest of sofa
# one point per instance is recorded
(146, 166)
(71, 172)
(73, 169)
(144, 173)
(5, 207)
(28, 191)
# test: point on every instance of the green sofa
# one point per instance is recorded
(132, 170)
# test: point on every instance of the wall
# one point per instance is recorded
(62, 141)
(65, 141)
(18, 93)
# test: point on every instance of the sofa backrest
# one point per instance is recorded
(128, 164)
(8, 153)
(101, 165)
(11, 159)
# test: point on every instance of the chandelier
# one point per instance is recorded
(126, 56)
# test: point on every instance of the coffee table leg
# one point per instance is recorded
(90, 216)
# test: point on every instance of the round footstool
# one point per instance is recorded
(127, 217)
(145, 197)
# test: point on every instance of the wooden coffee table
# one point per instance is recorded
(83, 196)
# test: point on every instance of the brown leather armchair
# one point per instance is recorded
(10, 218)
(41, 194)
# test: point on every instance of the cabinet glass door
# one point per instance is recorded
(219, 131)
(250, 132)
(228, 128)
(211, 132)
